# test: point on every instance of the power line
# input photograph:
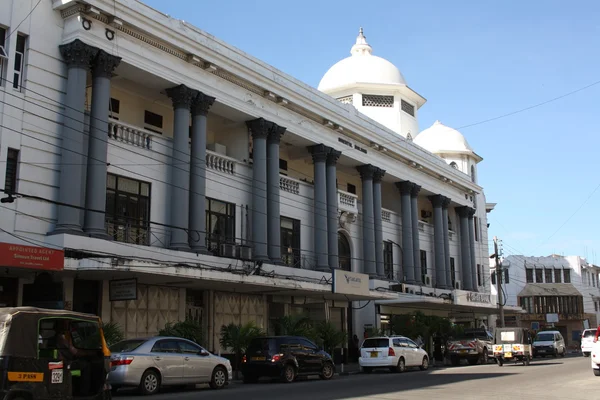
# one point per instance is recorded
(23, 20)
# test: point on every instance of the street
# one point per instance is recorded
(567, 378)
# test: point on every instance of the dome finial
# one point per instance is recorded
(361, 47)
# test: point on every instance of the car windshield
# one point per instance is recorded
(545, 337)
(126, 346)
(588, 333)
(383, 342)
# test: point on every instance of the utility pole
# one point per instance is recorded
(499, 277)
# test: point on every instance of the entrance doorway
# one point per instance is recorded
(345, 256)
(43, 293)
(86, 296)
(9, 288)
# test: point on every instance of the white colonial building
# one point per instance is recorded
(567, 286)
(154, 172)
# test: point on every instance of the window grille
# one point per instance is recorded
(407, 108)
(374, 100)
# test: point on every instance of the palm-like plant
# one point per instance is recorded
(237, 338)
(189, 329)
(295, 325)
(112, 333)
(330, 337)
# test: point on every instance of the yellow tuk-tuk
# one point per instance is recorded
(512, 344)
(52, 354)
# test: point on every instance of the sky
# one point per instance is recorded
(473, 61)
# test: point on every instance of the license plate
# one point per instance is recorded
(374, 354)
(57, 376)
(541, 351)
(508, 355)
(464, 351)
(259, 358)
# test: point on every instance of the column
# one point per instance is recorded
(472, 250)
(379, 267)
(465, 249)
(78, 57)
(319, 155)
(408, 258)
(273, 209)
(368, 220)
(197, 221)
(438, 241)
(182, 98)
(332, 208)
(95, 194)
(445, 204)
(414, 208)
(259, 128)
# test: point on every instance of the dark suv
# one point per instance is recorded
(285, 357)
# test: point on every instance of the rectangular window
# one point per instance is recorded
(476, 230)
(283, 167)
(290, 242)
(3, 54)
(407, 107)
(539, 275)
(557, 276)
(548, 275)
(493, 277)
(19, 62)
(374, 100)
(567, 275)
(453, 272)
(423, 264)
(479, 277)
(153, 122)
(350, 188)
(220, 224)
(10, 179)
(506, 277)
(128, 209)
(529, 275)
(114, 108)
(388, 259)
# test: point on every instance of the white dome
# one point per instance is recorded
(439, 138)
(361, 68)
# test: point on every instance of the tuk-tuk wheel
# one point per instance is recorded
(526, 360)
(500, 361)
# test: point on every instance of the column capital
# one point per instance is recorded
(470, 212)
(463, 211)
(259, 128)
(366, 171)
(201, 104)
(275, 133)
(333, 156)
(182, 96)
(405, 187)
(378, 175)
(436, 200)
(78, 54)
(415, 190)
(446, 202)
(104, 64)
(319, 152)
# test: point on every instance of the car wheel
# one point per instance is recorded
(219, 378)
(555, 353)
(401, 367)
(327, 371)
(484, 357)
(288, 375)
(424, 364)
(367, 370)
(150, 383)
(596, 372)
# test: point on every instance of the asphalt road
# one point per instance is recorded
(568, 378)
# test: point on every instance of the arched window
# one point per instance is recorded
(345, 255)
(454, 165)
(473, 174)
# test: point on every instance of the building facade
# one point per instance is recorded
(179, 177)
(564, 286)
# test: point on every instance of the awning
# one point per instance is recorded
(549, 289)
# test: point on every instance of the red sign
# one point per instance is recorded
(16, 255)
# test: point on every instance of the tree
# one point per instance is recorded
(112, 333)
(189, 329)
(330, 337)
(237, 338)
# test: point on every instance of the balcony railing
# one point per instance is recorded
(386, 215)
(129, 134)
(289, 185)
(127, 232)
(347, 202)
(220, 163)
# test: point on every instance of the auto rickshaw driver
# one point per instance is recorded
(73, 356)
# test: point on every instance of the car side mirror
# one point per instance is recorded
(203, 353)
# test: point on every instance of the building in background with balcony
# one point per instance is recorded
(567, 286)
(179, 176)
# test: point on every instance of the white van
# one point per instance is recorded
(549, 343)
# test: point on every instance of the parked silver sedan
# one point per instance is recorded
(150, 363)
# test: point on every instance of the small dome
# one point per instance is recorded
(362, 67)
(439, 138)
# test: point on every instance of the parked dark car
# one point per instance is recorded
(285, 357)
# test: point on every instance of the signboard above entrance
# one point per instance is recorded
(16, 255)
(349, 283)
(122, 289)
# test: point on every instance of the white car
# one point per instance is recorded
(595, 358)
(396, 353)
(587, 341)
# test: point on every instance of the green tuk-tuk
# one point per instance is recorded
(52, 354)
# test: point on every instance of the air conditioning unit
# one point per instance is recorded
(427, 280)
(457, 285)
(228, 250)
(245, 253)
(398, 288)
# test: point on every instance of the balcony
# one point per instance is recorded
(347, 202)
(130, 134)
